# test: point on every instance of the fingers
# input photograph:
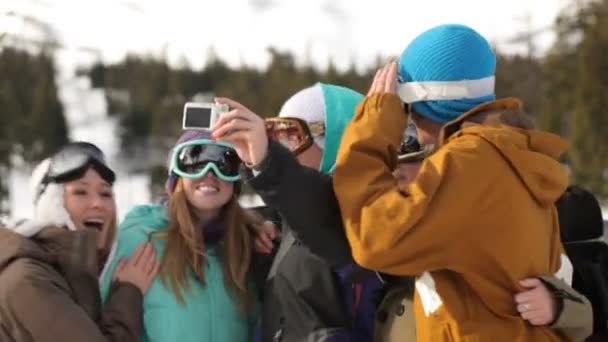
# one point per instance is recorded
(377, 85)
(536, 305)
(147, 278)
(231, 103)
(266, 239)
(148, 259)
(540, 320)
(381, 80)
(385, 80)
(532, 314)
(526, 307)
(232, 126)
(265, 234)
(532, 294)
(391, 78)
(136, 256)
(271, 229)
(374, 87)
(526, 296)
(530, 283)
(244, 115)
(236, 136)
(120, 266)
(155, 270)
(535, 315)
(260, 247)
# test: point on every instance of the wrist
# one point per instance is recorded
(258, 163)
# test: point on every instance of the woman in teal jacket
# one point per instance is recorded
(205, 243)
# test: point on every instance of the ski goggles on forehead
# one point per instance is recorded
(295, 134)
(194, 159)
(73, 161)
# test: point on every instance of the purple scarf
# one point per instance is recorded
(213, 232)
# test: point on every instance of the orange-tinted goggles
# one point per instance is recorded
(295, 134)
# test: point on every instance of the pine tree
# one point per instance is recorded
(32, 124)
(589, 120)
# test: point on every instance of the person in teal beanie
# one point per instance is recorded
(204, 240)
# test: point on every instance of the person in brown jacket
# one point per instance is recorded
(49, 266)
(493, 179)
(395, 315)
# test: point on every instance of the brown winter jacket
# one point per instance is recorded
(49, 291)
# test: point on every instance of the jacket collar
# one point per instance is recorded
(507, 111)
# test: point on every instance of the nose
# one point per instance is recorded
(97, 201)
(209, 175)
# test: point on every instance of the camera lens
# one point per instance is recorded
(409, 144)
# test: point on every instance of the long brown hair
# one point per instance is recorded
(185, 248)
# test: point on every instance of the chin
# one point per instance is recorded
(102, 239)
(101, 244)
(211, 202)
(209, 205)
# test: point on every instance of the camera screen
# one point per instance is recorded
(198, 117)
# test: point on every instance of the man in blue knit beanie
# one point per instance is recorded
(492, 178)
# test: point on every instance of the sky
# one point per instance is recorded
(240, 31)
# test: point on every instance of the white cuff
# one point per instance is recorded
(411, 92)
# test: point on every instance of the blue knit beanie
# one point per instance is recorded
(447, 71)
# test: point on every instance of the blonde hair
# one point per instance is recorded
(185, 248)
(104, 252)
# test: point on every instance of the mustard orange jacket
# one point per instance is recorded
(478, 218)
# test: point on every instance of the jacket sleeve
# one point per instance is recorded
(47, 313)
(306, 201)
(576, 318)
(122, 315)
(390, 228)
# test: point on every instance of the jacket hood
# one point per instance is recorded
(14, 246)
(150, 217)
(533, 155)
(340, 104)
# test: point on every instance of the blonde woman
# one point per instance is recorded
(49, 265)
